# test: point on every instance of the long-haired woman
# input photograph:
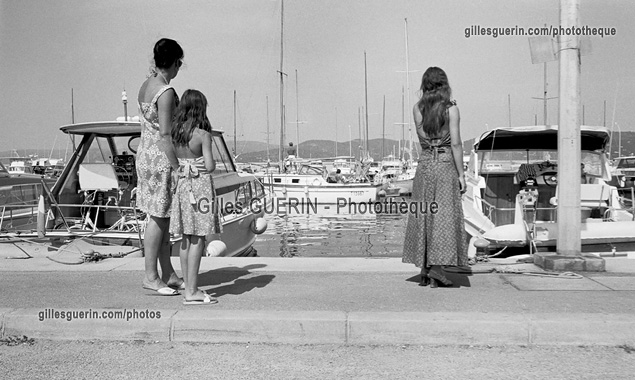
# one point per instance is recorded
(436, 237)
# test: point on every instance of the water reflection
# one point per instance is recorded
(332, 232)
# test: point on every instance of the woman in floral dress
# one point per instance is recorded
(157, 101)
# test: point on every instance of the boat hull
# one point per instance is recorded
(328, 193)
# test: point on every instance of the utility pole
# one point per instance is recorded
(569, 148)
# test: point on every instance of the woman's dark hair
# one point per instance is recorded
(190, 114)
(166, 52)
(435, 100)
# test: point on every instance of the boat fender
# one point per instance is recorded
(381, 193)
(481, 243)
(258, 226)
(216, 248)
(41, 217)
(316, 182)
(306, 189)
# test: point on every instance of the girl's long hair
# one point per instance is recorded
(435, 99)
(190, 114)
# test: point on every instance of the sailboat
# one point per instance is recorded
(397, 173)
(308, 183)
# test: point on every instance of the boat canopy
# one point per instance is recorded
(107, 128)
(538, 137)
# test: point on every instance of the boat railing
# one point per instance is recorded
(495, 213)
(16, 215)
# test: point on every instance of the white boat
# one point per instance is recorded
(95, 194)
(396, 176)
(20, 165)
(310, 184)
(624, 173)
(19, 193)
(511, 196)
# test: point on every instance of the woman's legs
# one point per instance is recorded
(157, 247)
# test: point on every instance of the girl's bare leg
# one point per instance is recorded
(194, 253)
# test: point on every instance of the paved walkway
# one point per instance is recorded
(318, 300)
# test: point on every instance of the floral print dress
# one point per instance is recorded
(153, 167)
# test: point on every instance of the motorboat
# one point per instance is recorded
(96, 192)
(21, 165)
(19, 194)
(396, 176)
(512, 190)
(309, 184)
(624, 174)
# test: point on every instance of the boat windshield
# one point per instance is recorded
(311, 170)
(100, 150)
(109, 150)
(506, 162)
(221, 155)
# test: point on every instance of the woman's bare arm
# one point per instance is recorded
(166, 104)
(210, 164)
(457, 144)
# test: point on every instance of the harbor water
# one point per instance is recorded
(332, 231)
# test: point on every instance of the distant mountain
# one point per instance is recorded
(256, 151)
(325, 149)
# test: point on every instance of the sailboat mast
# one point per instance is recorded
(359, 128)
(72, 108)
(366, 98)
(234, 123)
(281, 83)
(335, 131)
(297, 116)
(408, 88)
(267, 128)
(383, 129)
(403, 122)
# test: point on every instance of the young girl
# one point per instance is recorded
(194, 203)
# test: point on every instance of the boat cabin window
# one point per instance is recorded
(626, 163)
(511, 162)
(311, 170)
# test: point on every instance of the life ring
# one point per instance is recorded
(216, 248)
(258, 226)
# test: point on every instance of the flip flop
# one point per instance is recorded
(165, 291)
(178, 286)
(208, 300)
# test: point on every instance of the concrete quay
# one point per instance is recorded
(356, 301)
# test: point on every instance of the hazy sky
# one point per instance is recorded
(97, 48)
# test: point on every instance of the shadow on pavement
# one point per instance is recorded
(459, 280)
(232, 278)
(242, 285)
